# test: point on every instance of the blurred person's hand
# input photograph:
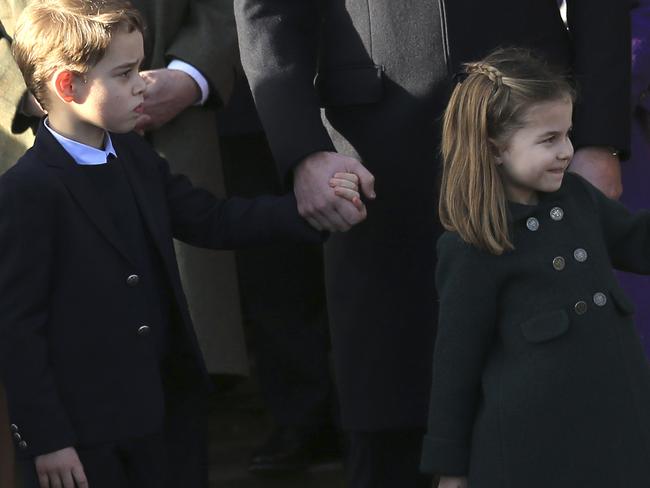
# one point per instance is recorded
(60, 469)
(317, 203)
(601, 168)
(167, 94)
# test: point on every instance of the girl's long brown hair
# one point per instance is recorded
(483, 111)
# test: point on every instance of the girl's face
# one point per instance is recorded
(537, 155)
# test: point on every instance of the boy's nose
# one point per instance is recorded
(566, 152)
(139, 86)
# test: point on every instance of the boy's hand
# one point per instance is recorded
(346, 185)
(452, 482)
(60, 469)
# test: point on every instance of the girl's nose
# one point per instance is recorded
(566, 151)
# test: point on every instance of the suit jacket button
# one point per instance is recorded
(133, 280)
(600, 299)
(559, 263)
(22, 445)
(17, 436)
(13, 427)
(580, 307)
(143, 330)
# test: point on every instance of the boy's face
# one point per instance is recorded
(111, 94)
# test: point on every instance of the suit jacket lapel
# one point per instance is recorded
(80, 189)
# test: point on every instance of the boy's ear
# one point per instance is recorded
(64, 84)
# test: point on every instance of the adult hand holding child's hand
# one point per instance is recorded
(61, 469)
(317, 203)
(167, 94)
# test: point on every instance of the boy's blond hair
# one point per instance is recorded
(484, 110)
(69, 34)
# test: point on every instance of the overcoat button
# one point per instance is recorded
(580, 307)
(17, 436)
(557, 214)
(13, 427)
(133, 280)
(559, 263)
(22, 445)
(533, 224)
(600, 299)
(143, 330)
(580, 255)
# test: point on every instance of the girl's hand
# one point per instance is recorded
(346, 185)
(452, 482)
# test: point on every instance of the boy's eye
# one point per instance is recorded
(125, 74)
(549, 139)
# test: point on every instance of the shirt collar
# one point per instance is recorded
(82, 153)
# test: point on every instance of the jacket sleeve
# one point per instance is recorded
(600, 32)
(279, 45)
(626, 235)
(208, 41)
(27, 253)
(467, 315)
(641, 55)
(199, 218)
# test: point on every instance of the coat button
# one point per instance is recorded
(557, 214)
(600, 299)
(13, 427)
(559, 263)
(533, 224)
(22, 445)
(143, 330)
(133, 280)
(580, 255)
(17, 436)
(580, 307)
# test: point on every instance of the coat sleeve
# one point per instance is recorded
(199, 218)
(641, 55)
(26, 254)
(626, 235)
(600, 31)
(279, 45)
(208, 41)
(467, 315)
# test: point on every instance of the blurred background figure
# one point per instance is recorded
(636, 171)
(283, 300)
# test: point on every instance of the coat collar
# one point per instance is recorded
(74, 179)
(519, 211)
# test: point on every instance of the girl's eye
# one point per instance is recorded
(125, 74)
(549, 139)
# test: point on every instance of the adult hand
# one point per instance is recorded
(60, 469)
(317, 203)
(167, 94)
(451, 482)
(601, 168)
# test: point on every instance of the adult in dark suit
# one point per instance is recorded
(382, 75)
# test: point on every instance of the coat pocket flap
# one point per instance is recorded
(546, 326)
(623, 303)
(353, 85)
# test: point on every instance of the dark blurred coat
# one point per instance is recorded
(382, 75)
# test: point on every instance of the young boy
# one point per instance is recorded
(102, 370)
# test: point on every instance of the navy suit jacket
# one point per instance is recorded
(76, 370)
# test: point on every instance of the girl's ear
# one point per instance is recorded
(64, 84)
(496, 150)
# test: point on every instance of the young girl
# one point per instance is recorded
(539, 378)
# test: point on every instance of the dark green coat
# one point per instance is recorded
(539, 378)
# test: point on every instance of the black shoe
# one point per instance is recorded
(292, 449)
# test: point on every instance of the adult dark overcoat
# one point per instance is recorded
(539, 376)
(381, 70)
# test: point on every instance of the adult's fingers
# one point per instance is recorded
(66, 479)
(43, 480)
(80, 477)
(350, 213)
(366, 179)
(334, 221)
(55, 480)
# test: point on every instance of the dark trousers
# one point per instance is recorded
(172, 459)
(386, 459)
(283, 296)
